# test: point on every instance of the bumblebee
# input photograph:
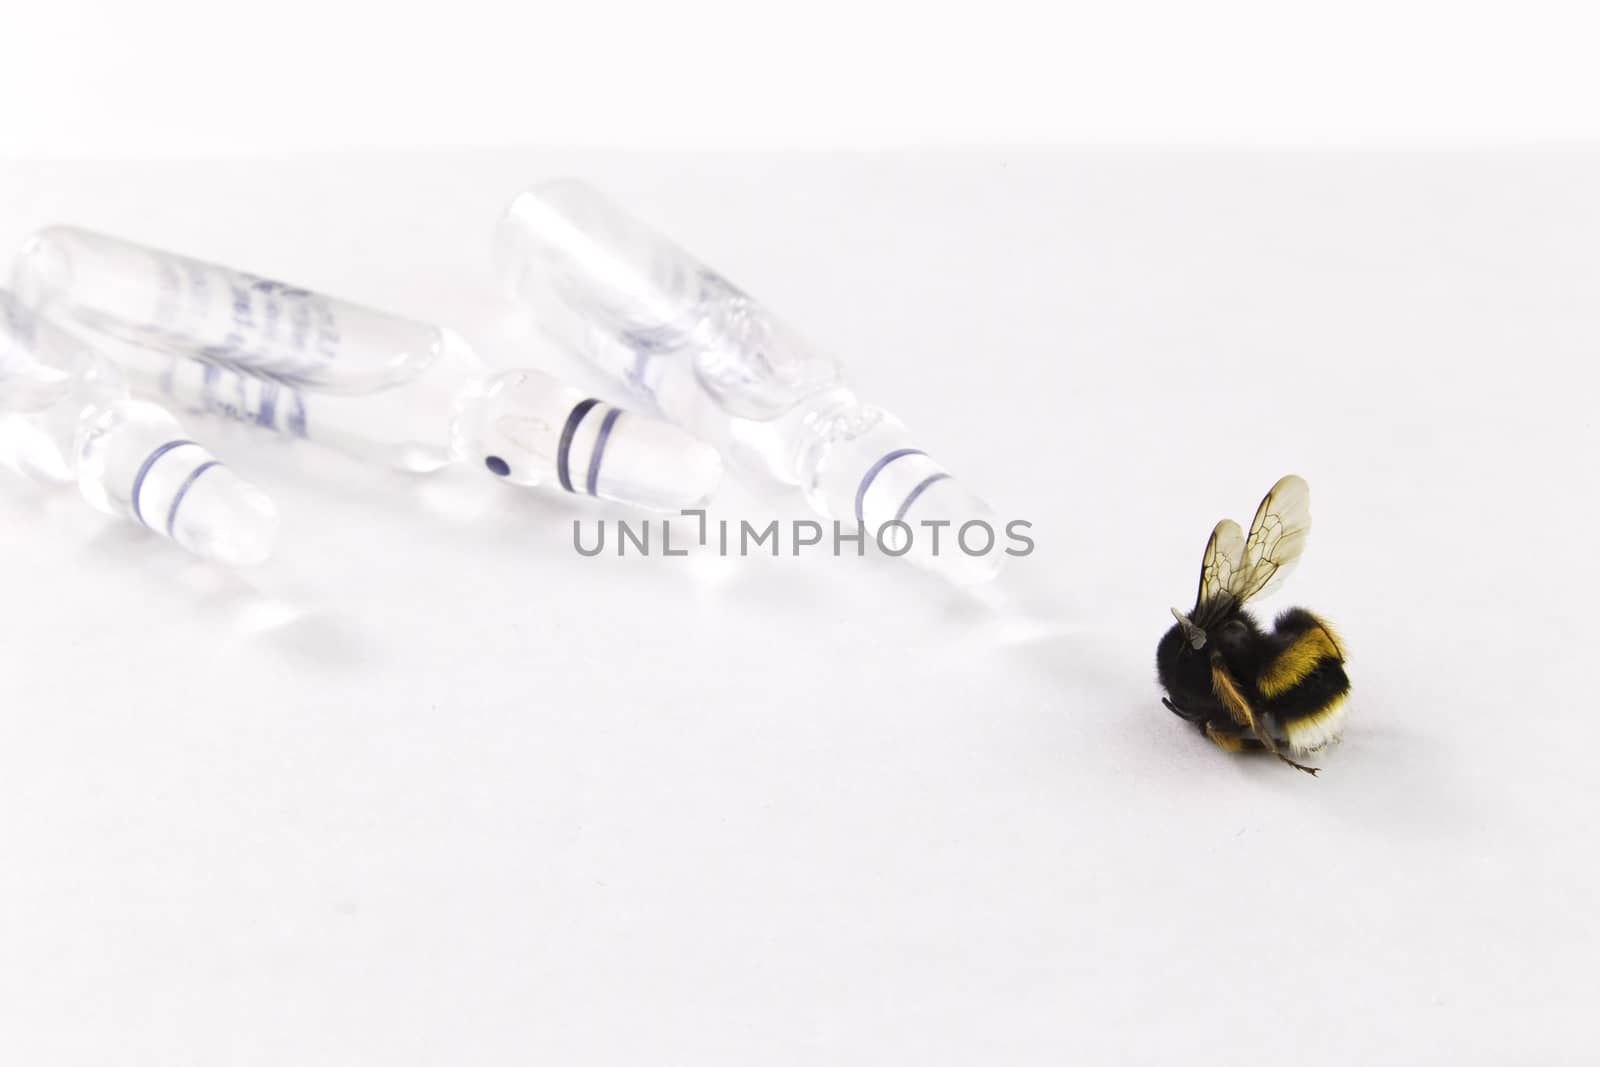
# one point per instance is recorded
(1244, 687)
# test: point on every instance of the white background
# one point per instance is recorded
(88, 77)
(432, 789)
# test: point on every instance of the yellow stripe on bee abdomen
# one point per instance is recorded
(1291, 666)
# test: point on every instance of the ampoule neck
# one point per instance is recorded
(821, 421)
(41, 364)
(43, 443)
(456, 364)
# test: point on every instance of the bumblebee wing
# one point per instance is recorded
(1277, 537)
(1219, 570)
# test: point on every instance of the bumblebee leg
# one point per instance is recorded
(1229, 741)
(1228, 692)
(1180, 713)
(1298, 767)
(1225, 739)
(1263, 731)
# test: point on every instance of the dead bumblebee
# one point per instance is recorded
(1243, 687)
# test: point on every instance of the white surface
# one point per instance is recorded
(91, 77)
(435, 790)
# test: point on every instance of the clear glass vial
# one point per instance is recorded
(227, 316)
(522, 426)
(211, 339)
(710, 357)
(65, 416)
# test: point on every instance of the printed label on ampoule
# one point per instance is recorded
(215, 390)
(242, 319)
(230, 317)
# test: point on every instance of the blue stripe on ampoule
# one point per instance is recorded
(268, 415)
(874, 470)
(183, 490)
(576, 416)
(144, 470)
(599, 447)
(911, 497)
(296, 421)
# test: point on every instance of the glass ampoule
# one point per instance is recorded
(210, 339)
(709, 357)
(65, 416)
(522, 426)
(227, 316)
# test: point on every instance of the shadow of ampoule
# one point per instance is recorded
(262, 605)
